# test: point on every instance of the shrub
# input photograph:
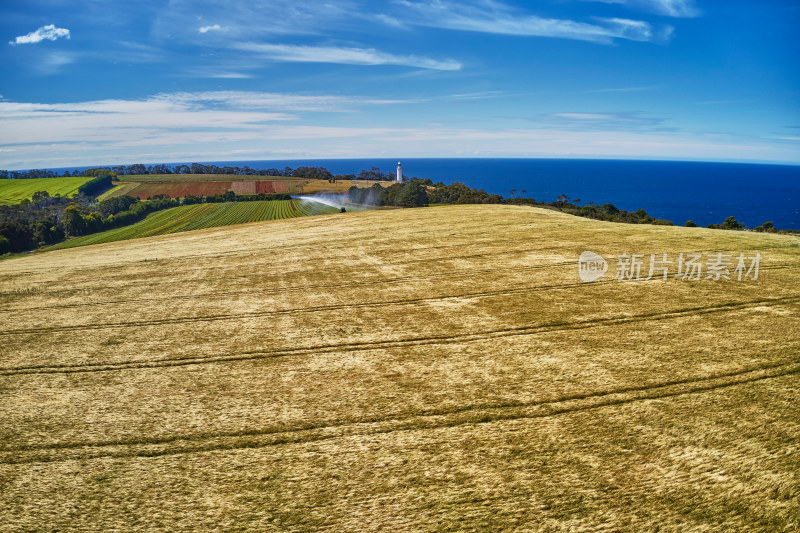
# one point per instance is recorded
(732, 223)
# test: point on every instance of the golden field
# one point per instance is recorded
(429, 369)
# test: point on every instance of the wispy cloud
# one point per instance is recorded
(489, 16)
(54, 62)
(621, 89)
(206, 29)
(594, 121)
(670, 8)
(229, 75)
(477, 96)
(252, 18)
(340, 55)
(283, 102)
(389, 21)
(49, 32)
(224, 125)
(184, 109)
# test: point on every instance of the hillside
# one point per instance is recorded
(14, 191)
(439, 368)
(201, 216)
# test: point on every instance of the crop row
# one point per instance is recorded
(193, 217)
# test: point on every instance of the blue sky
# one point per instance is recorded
(110, 82)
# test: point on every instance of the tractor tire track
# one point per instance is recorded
(296, 288)
(259, 259)
(304, 288)
(390, 344)
(425, 420)
(277, 312)
(311, 309)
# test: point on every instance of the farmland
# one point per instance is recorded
(14, 191)
(201, 216)
(120, 189)
(179, 185)
(420, 369)
(179, 178)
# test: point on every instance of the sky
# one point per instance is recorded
(102, 82)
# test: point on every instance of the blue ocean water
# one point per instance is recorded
(674, 190)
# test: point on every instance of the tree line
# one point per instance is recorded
(421, 192)
(45, 219)
(303, 172)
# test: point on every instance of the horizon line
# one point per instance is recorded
(400, 158)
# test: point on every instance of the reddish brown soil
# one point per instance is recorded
(269, 187)
(179, 189)
(244, 187)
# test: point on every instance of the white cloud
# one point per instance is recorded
(605, 121)
(348, 56)
(670, 8)
(622, 89)
(163, 115)
(389, 21)
(49, 32)
(489, 16)
(224, 125)
(253, 18)
(248, 100)
(584, 116)
(206, 29)
(53, 63)
(230, 75)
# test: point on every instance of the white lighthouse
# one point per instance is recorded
(399, 172)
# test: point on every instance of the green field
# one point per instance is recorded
(433, 369)
(201, 216)
(14, 191)
(121, 189)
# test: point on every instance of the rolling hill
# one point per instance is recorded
(14, 191)
(439, 368)
(201, 216)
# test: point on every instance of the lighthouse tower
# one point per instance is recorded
(399, 171)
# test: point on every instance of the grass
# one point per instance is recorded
(426, 369)
(14, 191)
(200, 216)
(121, 189)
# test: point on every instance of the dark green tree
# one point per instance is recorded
(732, 223)
(73, 221)
(38, 196)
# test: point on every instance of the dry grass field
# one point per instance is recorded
(430, 369)
(338, 187)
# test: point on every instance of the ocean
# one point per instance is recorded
(706, 193)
